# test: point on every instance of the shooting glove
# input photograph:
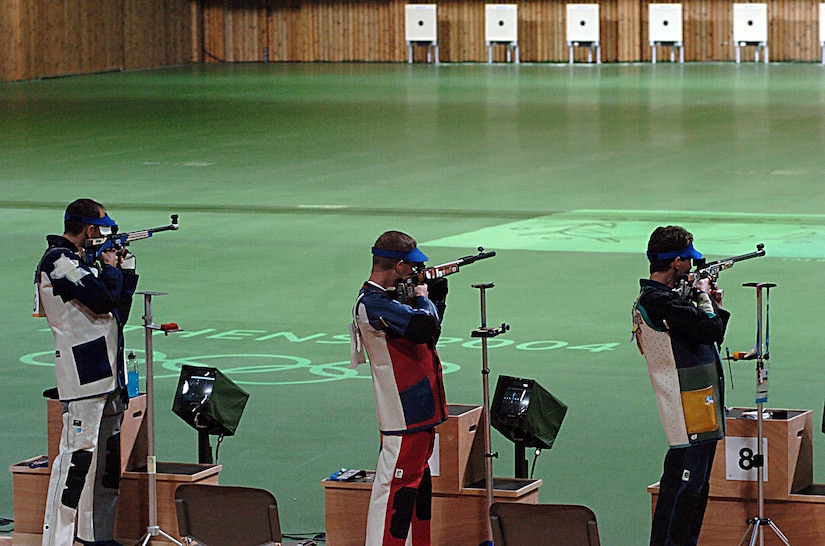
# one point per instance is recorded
(437, 289)
(703, 302)
(127, 263)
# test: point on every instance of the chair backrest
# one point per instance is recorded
(225, 515)
(520, 524)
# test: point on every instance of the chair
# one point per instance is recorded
(520, 524)
(225, 515)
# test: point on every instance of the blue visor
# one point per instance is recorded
(687, 252)
(414, 256)
(103, 222)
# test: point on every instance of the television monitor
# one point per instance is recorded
(525, 413)
(208, 400)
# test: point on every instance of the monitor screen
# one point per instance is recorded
(514, 401)
(195, 391)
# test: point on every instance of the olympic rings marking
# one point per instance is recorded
(331, 371)
(326, 372)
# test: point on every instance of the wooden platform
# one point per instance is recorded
(801, 518)
(792, 501)
(459, 495)
(30, 482)
(458, 518)
(30, 486)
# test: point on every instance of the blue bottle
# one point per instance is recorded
(132, 375)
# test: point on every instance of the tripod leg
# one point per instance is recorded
(752, 531)
(755, 535)
(747, 532)
(779, 533)
(173, 539)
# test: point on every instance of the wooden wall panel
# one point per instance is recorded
(11, 45)
(53, 37)
(43, 38)
(373, 30)
(156, 33)
(629, 29)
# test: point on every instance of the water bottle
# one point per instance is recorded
(132, 375)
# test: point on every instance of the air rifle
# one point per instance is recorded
(711, 270)
(405, 289)
(118, 241)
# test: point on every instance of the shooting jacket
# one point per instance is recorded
(406, 370)
(86, 309)
(679, 342)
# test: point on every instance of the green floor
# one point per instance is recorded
(284, 175)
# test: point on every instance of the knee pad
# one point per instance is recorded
(111, 470)
(76, 478)
(402, 512)
(424, 499)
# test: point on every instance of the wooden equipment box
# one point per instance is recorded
(789, 456)
(460, 457)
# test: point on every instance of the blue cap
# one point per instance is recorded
(103, 222)
(687, 252)
(414, 256)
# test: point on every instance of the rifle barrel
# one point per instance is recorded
(129, 236)
(760, 251)
(442, 270)
(476, 257)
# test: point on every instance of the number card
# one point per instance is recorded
(740, 454)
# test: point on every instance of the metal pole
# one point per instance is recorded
(153, 529)
(761, 398)
(485, 410)
(484, 332)
(756, 525)
(151, 459)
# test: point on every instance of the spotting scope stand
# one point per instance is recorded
(204, 448)
(150, 327)
(761, 354)
(485, 333)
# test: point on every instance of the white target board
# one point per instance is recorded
(420, 23)
(582, 22)
(501, 23)
(821, 23)
(750, 23)
(665, 22)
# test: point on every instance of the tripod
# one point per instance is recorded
(149, 327)
(762, 354)
(485, 333)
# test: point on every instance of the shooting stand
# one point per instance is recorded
(756, 523)
(153, 529)
(485, 333)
